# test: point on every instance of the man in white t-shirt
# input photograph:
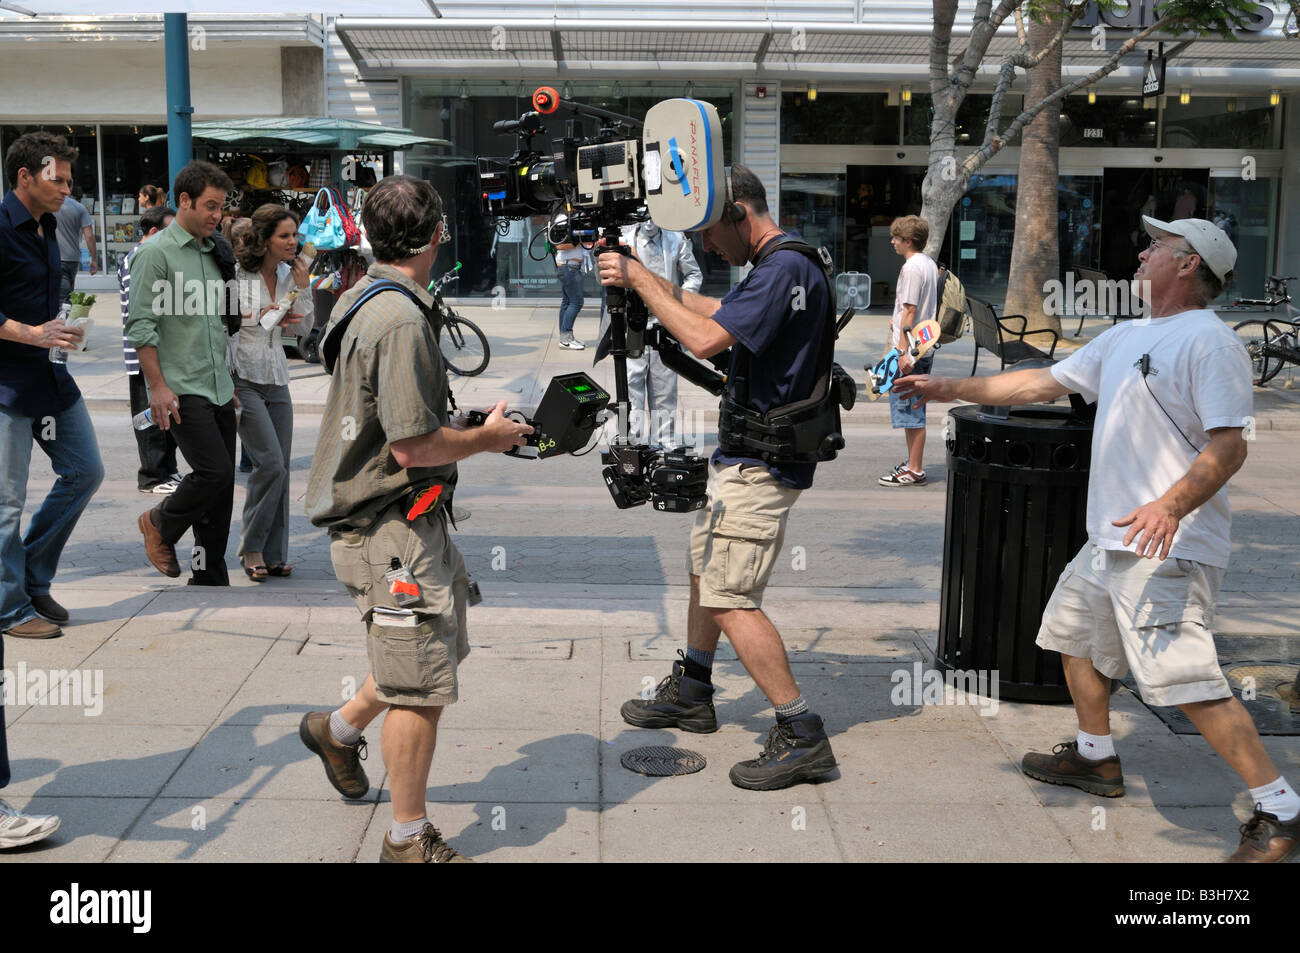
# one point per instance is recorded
(915, 301)
(1173, 396)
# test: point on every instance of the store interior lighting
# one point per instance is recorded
(907, 95)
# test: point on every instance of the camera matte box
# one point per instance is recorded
(684, 179)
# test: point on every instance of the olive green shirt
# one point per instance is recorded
(389, 384)
(177, 297)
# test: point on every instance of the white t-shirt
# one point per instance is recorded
(1200, 373)
(918, 284)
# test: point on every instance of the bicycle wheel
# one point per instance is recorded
(464, 347)
(1254, 335)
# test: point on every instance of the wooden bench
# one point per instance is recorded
(992, 334)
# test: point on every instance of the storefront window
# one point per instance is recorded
(513, 256)
(1244, 208)
(128, 164)
(838, 119)
(1110, 121)
(812, 204)
(972, 119)
(1206, 122)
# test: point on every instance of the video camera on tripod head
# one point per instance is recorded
(590, 186)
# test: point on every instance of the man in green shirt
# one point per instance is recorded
(381, 478)
(177, 325)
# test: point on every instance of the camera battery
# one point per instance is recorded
(677, 478)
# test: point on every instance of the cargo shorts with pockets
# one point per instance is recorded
(1123, 611)
(414, 657)
(738, 535)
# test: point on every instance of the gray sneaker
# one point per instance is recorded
(18, 829)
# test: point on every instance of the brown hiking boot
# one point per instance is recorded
(426, 847)
(1066, 766)
(161, 556)
(1266, 840)
(342, 762)
(36, 628)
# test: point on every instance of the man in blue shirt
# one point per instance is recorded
(775, 322)
(38, 402)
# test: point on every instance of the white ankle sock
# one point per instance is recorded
(403, 831)
(341, 731)
(1277, 798)
(1096, 747)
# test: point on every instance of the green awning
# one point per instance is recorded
(344, 135)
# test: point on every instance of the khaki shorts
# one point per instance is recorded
(737, 536)
(1123, 611)
(413, 664)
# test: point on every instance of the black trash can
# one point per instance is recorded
(1016, 510)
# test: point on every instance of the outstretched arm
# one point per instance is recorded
(1031, 386)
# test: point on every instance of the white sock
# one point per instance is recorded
(1277, 798)
(403, 831)
(341, 731)
(1096, 747)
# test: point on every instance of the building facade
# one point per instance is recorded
(827, 100)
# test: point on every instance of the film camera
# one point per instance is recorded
(589, 186)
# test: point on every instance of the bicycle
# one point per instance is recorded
(465, 354)
(1272, 343)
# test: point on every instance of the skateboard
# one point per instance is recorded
(922, 339)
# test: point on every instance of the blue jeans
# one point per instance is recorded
(29, 563)
(570, 277)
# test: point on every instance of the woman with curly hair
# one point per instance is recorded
(270, 272)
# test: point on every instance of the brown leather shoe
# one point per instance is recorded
(35, 629)
(161, 556)
(427, 847)
(342, 762)
(1266, 840)
(1066, 766)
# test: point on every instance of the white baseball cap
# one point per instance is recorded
(1207, 240)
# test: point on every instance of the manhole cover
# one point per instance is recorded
(1273, 681)
(658, 761)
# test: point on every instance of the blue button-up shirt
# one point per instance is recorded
(30, 384)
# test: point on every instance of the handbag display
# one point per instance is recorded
(350, 230)
(324, 228)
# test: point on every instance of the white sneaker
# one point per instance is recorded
(164, 488)
(17, 828)
(573, 344)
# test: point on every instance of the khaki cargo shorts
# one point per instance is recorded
(737, 536)
(413, 663)
(1123, 611)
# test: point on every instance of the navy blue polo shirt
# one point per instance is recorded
(782, 341)
(30, 384)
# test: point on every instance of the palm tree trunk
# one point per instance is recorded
(1035, 253)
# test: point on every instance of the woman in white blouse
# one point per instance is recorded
(269, 270)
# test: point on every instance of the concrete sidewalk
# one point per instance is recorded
(194, 753)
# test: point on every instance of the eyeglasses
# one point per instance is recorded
(1157, 243)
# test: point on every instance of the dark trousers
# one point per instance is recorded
(202, 503)
(156, 447)
(68, 279)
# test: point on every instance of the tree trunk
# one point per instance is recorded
(1035, 252)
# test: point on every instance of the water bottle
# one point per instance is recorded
(59, 355)
(143, 420)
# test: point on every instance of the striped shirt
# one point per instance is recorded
(124, 295)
